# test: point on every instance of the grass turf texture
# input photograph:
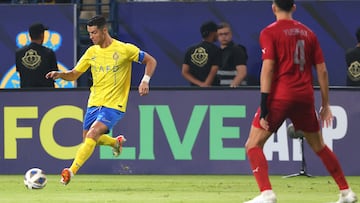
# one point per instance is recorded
(170, 188)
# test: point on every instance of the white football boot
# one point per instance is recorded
(347, 196)
(267, 196)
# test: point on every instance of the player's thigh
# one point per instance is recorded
(315, 140)
(278, 112)
(96, 130)
(109, 117)
(257, 137)
(90, 117)
(304, 117)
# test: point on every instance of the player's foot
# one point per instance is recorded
(120, 140)
(66, 175)
(267, 196)
(347, 196)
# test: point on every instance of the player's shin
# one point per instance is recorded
(333, 166)
(83, 153)
(259, 168)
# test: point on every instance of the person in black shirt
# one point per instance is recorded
(352, 58)
(35, 60)
(233, 70)
(202, 60)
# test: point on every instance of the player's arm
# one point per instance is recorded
(323, 82)
(69, 75)
(323, 79)
(185, 71)
(150, 65)
(266, 75)
(212, 74)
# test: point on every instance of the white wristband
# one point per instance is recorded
(146, 78)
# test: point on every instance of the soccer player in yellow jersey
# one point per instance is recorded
(110, 61)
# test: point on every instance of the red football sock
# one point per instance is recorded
(259, 167)
(333, 166)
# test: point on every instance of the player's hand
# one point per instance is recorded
(264, 124)
(53, 75)
(143, 88)
(326, 116)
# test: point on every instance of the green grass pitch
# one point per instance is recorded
(170, 188)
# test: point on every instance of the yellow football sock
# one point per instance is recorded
(83, 153)
(106, 140)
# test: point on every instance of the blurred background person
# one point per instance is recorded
(202, 60)
(232, 71)
(34, 61)
(352, 58)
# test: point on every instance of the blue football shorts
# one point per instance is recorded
(107, 116)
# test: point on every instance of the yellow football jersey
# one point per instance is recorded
(111, 73)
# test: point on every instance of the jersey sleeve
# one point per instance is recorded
(133, 53)
(83, 63)
(53, 61)
(241, 55)
(267, 45)
(187, 56)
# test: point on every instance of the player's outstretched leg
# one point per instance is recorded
(117, 149)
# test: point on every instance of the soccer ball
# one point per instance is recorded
(35, 178)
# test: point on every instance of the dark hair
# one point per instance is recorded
(36, 30)
(285, 5)
(208, 27)
(98, 21)
(358, 35)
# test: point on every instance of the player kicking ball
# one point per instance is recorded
(111, 63)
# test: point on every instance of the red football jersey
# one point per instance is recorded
(295, 50)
